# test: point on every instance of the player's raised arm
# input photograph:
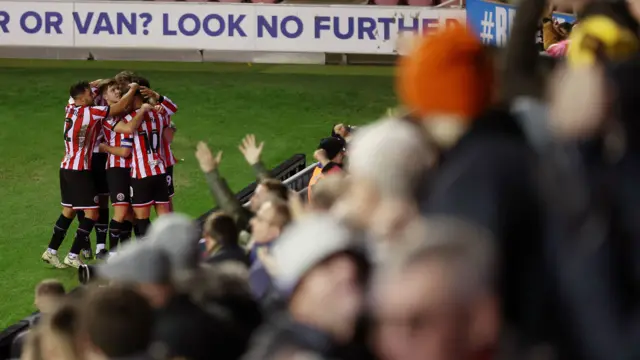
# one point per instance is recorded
(133, 123)
(121, 106)
(167, 105)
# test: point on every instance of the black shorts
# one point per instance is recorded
(119, 180)
(150, 190)
(98, 164)
(78, 190)
(170, 181)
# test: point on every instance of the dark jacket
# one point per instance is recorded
(229, 253)
(284, 334)
(488, 178)
(188, 331)
(225, 198)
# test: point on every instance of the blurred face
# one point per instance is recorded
(418, 319)
(112, 95)
(46, 303)
(84, 99)
(341, 130)
(263, 229)
(258, 198)
(330, 285)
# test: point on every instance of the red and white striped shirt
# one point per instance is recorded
(98, 100)
(116, 139)
(165, 151)
(147, 142)
(80, 127)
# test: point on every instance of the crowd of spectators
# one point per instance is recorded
(492, 215)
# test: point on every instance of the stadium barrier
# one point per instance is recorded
(184, 31)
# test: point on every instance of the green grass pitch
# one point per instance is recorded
(289, 107)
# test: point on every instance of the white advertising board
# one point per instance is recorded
(216, 26)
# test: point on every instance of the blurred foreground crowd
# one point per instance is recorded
(494, 215)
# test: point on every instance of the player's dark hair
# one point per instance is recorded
(222, 228)
(105, 85)
(142, 81)
(79, 88)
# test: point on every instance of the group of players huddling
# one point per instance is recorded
(117, 136)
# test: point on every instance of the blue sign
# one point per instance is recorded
(493, 21)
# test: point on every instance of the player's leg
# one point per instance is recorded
(127, 227)
(98, 171)
(102, 225)
(62, 224)
(141, 201)
(170, 186)
(161, 194)
(85, 198)
(118, 180)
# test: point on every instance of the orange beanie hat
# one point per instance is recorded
(446, 73)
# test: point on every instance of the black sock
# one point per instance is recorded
(115, 231)
(82, 235)
(143, 226)
(102, 226)
(136, 229)
(59, 232)
(125, 231)
(80, 216)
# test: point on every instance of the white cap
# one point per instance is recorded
(308, 242)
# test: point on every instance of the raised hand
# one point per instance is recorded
(249, 149)
(148, 93)
(205, 158)
(160, 109)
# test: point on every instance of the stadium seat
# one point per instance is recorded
(420, 2)
(386, 2)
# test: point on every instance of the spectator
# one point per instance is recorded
(266, 226)
(177, 236)
(56, 337)
(182, 327)
(342, 131)
(117, 323)
(607, 30)
(220, 189)
(328, 191)
(435, 299)
(488, 170)
(224, 290)
(323, 272)
(48, 296)
(330, 155)
(221, 240)
(387, 163)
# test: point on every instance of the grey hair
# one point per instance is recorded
(464, 248)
